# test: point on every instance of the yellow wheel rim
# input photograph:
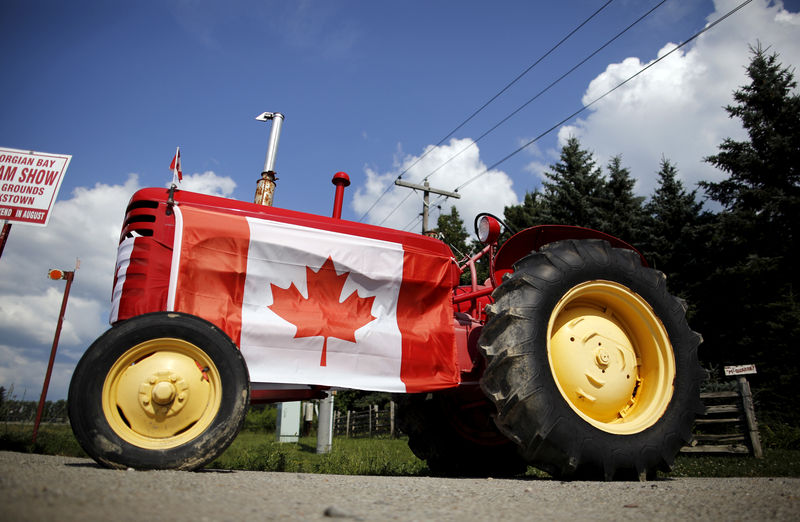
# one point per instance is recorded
(161, 393)
(611, 357)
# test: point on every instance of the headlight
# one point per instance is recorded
(488, 229)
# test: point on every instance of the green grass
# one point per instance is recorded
(379, 456)
(776, 463)
(52, 439)
(258, 451)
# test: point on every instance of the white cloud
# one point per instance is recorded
(85, 226)
(675, 108)
(33, 313)
(22, 375)
(209, 183)
(399, 208)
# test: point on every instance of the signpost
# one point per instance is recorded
(29, 184)
(739, 371)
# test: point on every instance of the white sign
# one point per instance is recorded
(29, 183)
(741, 369)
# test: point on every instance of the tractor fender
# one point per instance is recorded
(531, 239)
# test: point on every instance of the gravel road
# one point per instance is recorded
(38, 487)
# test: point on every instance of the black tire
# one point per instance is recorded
(535, 383)
(453, 432)
(159, 391)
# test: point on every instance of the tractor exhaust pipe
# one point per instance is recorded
(265, 189)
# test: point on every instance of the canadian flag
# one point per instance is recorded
(175, 166)
(311, 306)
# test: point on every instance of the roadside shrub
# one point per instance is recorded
(778, 435)
(261, 418)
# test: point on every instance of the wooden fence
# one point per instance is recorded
(370, 423)
(728, 423)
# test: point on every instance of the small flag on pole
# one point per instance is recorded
(176, 166)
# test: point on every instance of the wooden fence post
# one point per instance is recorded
(750, 416)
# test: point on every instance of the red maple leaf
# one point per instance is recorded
(322, 313)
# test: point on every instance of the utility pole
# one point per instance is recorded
(426, 190)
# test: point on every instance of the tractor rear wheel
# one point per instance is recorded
(453, 432)
(590, 363)
(159, 391)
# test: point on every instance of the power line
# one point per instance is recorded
(523, 73)
(640, 71)
(536, 96)
(499, 93)
(395, 208)
(552, 84)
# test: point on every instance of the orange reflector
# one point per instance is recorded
(55, 274)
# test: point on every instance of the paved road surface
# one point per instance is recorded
(45, 488)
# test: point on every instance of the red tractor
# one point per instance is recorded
(572, 356)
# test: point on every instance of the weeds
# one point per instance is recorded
(259, 451)
(385, 456)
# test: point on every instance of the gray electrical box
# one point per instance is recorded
(288, 429)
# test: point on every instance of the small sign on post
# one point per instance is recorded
(741, 369)
(29, 184)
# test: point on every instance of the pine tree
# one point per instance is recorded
(527, 214)
(622, 213)
(751, 305)
(574, 193)
(676, 233)
(761, 196)
(450, 228)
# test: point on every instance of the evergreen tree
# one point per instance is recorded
(573, 196)
(675, 230)
(527, 214)
(622, 213)
(451, 230)
(751, 309)
(764, 173)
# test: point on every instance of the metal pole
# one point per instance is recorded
(274, 137)
(68, 276)
(325, 427)
(265, 188)
(4, 236)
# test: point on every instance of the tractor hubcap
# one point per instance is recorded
(611, 357)
(161, 393)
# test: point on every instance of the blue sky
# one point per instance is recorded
(366, 87)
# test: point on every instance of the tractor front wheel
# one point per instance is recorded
(590, 363)
(159, 391)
